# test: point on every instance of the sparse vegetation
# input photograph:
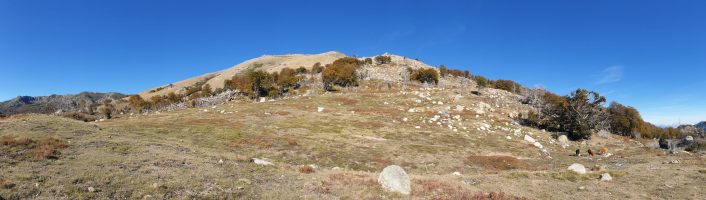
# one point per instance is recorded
(429, 76)
(45, 148)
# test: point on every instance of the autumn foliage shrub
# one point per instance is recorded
(427, 75)
(341, 72)
(383, 60)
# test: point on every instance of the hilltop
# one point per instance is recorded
(269, 63)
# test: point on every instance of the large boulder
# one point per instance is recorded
(578, 168)
(394, 178)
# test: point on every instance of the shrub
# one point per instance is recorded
(481, 81)
(341, 72)
(383, 60)
(442, 70)
(301, 70)
(253, 83)
(287, 78)
(425, 76)
(317, 68)
(79, 116)
(206, 90)
(173, 98)
(106, 111)
(508, 85)
(368, 61)
(696, 146)
(306, 169)
(137, 103)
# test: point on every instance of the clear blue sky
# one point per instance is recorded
(648, 54)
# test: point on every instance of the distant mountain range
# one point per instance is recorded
(701, 125)
(53, 103)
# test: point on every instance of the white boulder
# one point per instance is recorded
(606, 177)
(578, 168)
(394, 178)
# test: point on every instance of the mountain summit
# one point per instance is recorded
(268, 63)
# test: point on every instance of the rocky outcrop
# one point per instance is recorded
(54, 103)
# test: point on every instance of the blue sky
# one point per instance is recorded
(647, 54)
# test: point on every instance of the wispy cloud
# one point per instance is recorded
(611, 74)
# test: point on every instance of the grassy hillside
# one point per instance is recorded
(345, 138)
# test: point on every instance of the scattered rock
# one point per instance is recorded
(261, 162)
(91, 189)
(672, 162)
(220, 161)
(598, 168)
(456, 174)
(320, 109)
(606, 177)
(394, 178)
(578, 168)
(529, 139)
(582, 188)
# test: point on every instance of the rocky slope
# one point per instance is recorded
(53, 103)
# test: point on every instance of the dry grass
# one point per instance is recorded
(306, 169)
(440, 190)
(49, 148)
(282, 113)
(46, 148)
(258, 142)
(6, 184)
(345, 101)
(498, 162)
(13, 141)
